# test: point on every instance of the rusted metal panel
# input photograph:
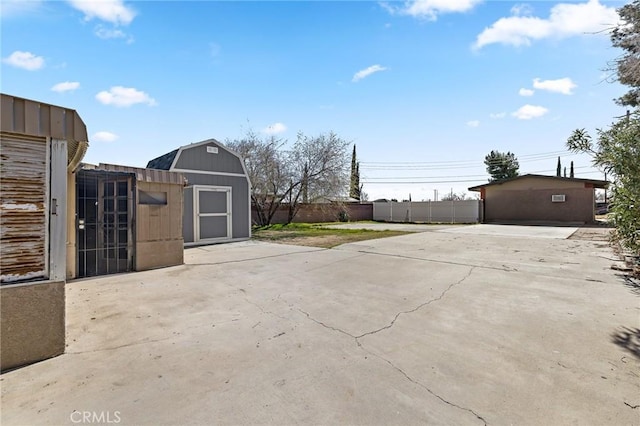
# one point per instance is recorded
(23, 192)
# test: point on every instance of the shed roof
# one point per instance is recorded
(146, 175)
(595, 182)
(165, 161)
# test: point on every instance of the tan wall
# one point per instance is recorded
(159, 240)
(314, 213)
(535, 205)
(31, 322)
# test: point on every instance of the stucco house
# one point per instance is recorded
(539, 199)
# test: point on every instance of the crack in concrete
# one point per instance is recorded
(263, 311)
(422, 305)
(328, 326)
(254, 258)
(401, 371)
(504, 268)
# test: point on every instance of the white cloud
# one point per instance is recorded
(113, 11)
(104, 137)
(473, 123)
(10, 8)
(527, 112)
(561, 85)
(565, 20)
(522, 9)
(274, 129)
(497, 115)
(24, 60)
(106, 33)
(525, 92)
(367, 72)
(430, 9)
(66, 86)
(124, 96)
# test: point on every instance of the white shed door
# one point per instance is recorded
(212, 213)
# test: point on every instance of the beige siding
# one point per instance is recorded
(23, 207)
(159, 239)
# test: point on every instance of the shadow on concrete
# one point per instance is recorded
(628, 339)
(633, 284)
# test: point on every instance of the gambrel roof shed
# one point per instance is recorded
(217, 199)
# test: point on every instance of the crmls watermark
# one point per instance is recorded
(95, 417)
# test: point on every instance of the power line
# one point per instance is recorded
(525, 158)
(461, 176)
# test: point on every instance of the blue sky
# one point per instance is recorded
(424, 88)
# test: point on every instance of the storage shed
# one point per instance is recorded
(41, 147)
(217, 198)
(128, 219)
(539, 199)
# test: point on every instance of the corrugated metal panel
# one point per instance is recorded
(26, 117)
(146, 175)
(35, 118)
(23, 192)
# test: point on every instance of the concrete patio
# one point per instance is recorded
(452, 325)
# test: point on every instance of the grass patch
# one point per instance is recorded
(317, 235)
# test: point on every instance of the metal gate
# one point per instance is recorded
(104, 222)
(212, 209)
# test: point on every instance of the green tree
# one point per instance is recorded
(559, 168)
(571, 175)
(501, 165)
(626, 36)
(354, 186)
(617, 151)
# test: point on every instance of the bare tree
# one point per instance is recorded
(268, 172)
(315, 167)
(456, 197)
(319, 166)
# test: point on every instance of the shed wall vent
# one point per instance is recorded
(559, 198)
(212, 149)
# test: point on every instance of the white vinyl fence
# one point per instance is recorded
(465, 211)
